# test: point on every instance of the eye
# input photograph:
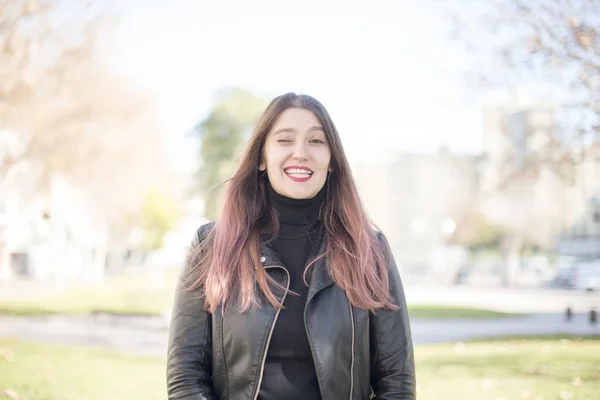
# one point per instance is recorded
(284, 141)
(317, 141)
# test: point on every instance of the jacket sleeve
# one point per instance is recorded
(392, 356)
(189, 355)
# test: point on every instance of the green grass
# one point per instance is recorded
(134, 302)
(447, 312)
(136, 295)
(154, 302)
(46, 372)
(132, 294)
(536, 368)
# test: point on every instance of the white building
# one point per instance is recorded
(417, 201)
(48, 234)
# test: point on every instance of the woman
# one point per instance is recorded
(291, 294)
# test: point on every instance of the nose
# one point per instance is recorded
(300, 152)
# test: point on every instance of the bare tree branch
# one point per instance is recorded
(63, 111)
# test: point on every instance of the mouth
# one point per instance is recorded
(298, 174)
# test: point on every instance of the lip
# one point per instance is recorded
(297, 179)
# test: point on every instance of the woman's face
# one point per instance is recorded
(296, 154)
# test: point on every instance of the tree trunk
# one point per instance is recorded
(5, 272)
(512, 259)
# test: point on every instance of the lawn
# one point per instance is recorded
(540, 368)
(128, 294)
(446, 312)
(517, 368)
(137, 295)
(47, 372)
(129, 301)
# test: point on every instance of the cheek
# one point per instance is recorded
(325, 160)
(267, 154)
(273, 158)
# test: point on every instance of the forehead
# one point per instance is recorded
(298, 119)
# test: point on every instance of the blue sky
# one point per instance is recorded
(386, 70)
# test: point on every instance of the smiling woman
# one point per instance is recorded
(292, 293)
(296, 154)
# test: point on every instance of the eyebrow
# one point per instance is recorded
(292, 130)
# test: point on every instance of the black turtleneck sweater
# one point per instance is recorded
(289, 368)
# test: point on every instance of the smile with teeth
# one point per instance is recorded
(298, 173)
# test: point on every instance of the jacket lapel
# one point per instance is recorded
(320, 276)
(268, 257)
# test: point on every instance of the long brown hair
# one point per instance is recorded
(227, 262)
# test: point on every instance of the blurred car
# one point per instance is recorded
(564, 266)
(586, 276)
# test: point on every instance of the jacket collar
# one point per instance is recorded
(320, 276)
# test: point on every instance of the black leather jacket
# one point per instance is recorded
(356, 352)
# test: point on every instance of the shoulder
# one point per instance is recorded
(383, 242)
(202, 232)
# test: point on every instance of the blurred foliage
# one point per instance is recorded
(475, 232)
(49, 69)
(65, 115)
(552, 41)
(222, 134)
(159, 215)
(490, 236)
(547, 54)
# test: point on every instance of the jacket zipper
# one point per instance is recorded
(352, 349)
(264, 358)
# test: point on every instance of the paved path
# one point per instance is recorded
(519, 300)
(136, 335)
(148, 336)
(441, 331)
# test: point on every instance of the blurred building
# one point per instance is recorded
(522, 188)
(48, 234)
(426, 202)
(47, 229)
(527, 185)
(417, 201)
(515, 134)
(581, 237)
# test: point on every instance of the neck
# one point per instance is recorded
(296, 211)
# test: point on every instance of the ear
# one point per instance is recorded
(262, 166)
